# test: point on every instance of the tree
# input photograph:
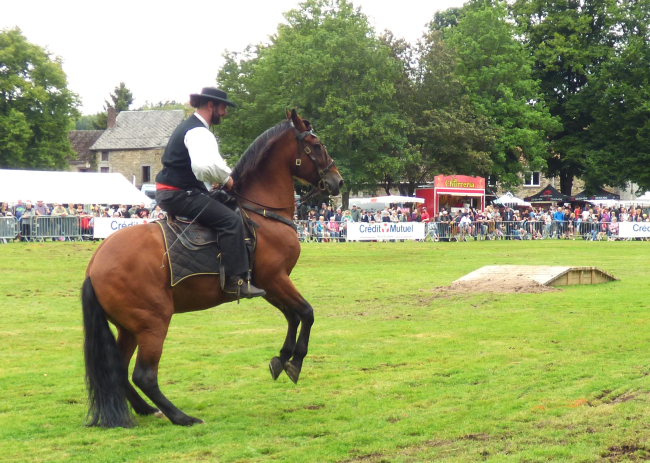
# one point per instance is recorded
(121, 100)
(327, 62)
(618, 96)
(496, 74)
(36, 107)
(444, 133)
(570, 41)
(161, 106)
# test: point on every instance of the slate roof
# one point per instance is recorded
(140, 130)
(81, 141)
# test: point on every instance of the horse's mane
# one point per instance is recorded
(256, 152)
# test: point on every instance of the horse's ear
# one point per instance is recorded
(297, 121)
(288, 114)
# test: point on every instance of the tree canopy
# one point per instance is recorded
(496, 74)
(36, 107)
(327, 62)
(121, 100)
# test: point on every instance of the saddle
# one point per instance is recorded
(193, 248)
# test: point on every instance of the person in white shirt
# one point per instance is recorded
(191, 164)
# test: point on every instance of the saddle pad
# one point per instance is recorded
(184, 263)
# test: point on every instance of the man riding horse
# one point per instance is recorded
(191, 159)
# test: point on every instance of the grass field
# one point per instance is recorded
(395, 372)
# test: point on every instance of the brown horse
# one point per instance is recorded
(126, 285)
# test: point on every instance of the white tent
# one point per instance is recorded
(68, 187)
(509, 199)
(643, 199)
(379, 202)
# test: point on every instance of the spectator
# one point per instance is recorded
(425, 215)
(4, 208)
(508, 218)
(613, 230)
(71, 210)
(141, 208)
(59, 210)
(355, 214)
(365, 217)
(323, 234)
(338, 217)
(41, 209)
(417, 217)
(18, 209)
(333, 228)
(156, 212)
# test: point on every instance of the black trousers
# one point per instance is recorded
(215, 215)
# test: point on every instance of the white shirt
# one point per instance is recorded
(207, 164)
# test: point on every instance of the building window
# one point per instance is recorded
(146, 174)
(103, 170)
(531, 178)
(104, 156)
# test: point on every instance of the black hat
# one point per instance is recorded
(212, 93)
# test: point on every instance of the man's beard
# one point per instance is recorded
(216, 118)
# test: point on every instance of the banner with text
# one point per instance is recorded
(104, 226)
(634, 230)
(386, 231)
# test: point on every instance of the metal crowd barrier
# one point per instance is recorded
(40, 228)
(520, 230)
(309, 231)
(8, 230)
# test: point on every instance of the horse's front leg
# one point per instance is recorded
(294, 366)
(297, 310)
(293, 320)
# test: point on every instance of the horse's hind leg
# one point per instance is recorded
(127, 344)
(145, 373)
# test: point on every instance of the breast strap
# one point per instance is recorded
(269, 215)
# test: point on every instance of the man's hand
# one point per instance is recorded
(228, 184)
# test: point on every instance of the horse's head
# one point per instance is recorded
(321, 171)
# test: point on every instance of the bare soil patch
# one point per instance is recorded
(495, 285)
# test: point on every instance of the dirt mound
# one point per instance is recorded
(495, 285)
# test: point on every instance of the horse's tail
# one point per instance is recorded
(106, 375)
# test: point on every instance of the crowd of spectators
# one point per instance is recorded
(26, 212)
(588, 222)
(28, 208)
(329, 224)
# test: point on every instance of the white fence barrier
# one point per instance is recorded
(105, 226)
(634, 230)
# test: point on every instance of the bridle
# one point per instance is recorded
(321, 186)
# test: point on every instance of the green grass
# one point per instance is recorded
(395, 372)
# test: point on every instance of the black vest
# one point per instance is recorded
(177, 165)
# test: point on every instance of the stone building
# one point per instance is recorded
(133, 143)
(81, 141)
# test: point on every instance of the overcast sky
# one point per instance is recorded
(167, 50)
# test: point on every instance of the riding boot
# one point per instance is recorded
(242, 288)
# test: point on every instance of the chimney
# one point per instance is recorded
(110, 117)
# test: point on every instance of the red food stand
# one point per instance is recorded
(453, 192)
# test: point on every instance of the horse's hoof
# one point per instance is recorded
(276, 367)
(148, 411)
(189, 421)
(292, 372)
(159, 414)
